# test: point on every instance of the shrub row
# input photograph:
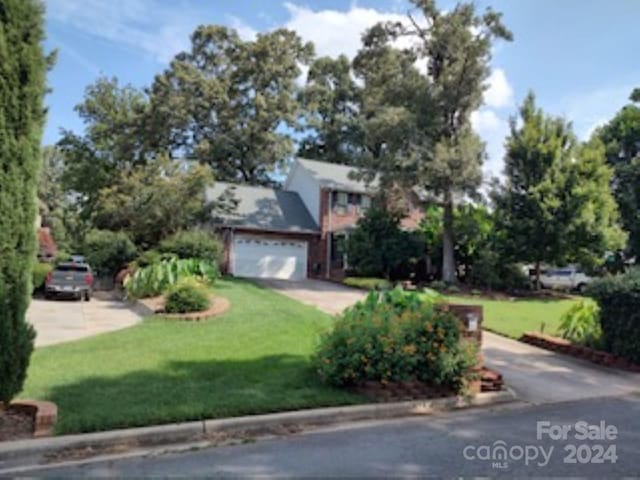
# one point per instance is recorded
(619, 301)
(367, 283)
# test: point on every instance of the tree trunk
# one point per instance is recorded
(448, 261)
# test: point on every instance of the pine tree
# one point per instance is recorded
(23, 67)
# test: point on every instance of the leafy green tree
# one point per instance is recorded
(115, 139)
(474, 233)
(556, 205)
(198, 244)
(107, 251)
(330, 104)
(23, 67)
(224, 101)
(424, 119)
(378, 245)
(621, 137)
(153, 201)
(51, 197)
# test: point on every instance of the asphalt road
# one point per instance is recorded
(447, 445)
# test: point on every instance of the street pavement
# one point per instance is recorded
(458, 443)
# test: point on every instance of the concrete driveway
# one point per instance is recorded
(536, 375)
(58, 321)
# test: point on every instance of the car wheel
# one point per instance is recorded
(582, 288)
(87, 296)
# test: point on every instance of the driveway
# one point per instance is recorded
(536, 375)
(58, 321)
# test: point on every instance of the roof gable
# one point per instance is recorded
(262, 208)
(334, 176)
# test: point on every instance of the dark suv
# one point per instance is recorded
(73, 280)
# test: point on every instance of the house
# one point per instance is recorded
(300, 230)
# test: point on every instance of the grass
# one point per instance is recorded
(253, 359)
(514, 317)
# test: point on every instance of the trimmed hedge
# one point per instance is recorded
(188, 295)
(39, 275)
(396, 336)
(367, 283)
(619, 300)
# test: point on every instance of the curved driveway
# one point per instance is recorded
(58, 321)
(536, 375)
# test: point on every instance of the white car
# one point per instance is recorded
(567, 278)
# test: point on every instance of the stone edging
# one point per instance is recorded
(45, 415)
(561, 345)
(219, 305)
(23, 454)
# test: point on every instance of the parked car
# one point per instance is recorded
(70, 280)
(567, 278)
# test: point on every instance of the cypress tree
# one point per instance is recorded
(23, 67)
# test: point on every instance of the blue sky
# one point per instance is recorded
(581, 57)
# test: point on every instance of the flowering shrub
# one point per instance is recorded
(395, 336)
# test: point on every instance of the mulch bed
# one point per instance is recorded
(561, 345)
(218, 306)
(15, 424)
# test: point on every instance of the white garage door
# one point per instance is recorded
(258, 257)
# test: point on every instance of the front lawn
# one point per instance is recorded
(253, 359)
(514, 317)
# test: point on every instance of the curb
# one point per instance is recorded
(45, 450)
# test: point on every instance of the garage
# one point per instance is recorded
(261, 257)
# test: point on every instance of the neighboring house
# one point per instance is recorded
(299, 231)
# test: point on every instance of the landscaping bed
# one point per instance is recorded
(561, 345)
(15, 424)
(218, 305)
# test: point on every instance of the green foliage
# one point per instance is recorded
(329, 102)
(378, 245)
(39, 275)
(155, 201)
(224, 101)
(193, 244)
(473, 228)
(395, 336)
(157, 277)
(23, 67)
(556, 205)
(367, 283)
(621, 137)
(580, 324)
(187, 295)
(107, 251)
(493, 270)
(618, 297)
(52, 201)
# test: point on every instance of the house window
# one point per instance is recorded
(338, 250)
(365, 203)
(340, 202)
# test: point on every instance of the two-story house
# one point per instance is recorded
(299, 231)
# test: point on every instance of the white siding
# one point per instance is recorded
(302, 182)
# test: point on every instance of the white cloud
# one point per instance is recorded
(246, 31)
(492, 128)
(499, 93)
(335, 32)
(156, 27)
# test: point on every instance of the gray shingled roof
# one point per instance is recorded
(262, 208)
(332, 175)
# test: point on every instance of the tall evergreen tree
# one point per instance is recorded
(556, 204)
(23, 67)
(425, 117)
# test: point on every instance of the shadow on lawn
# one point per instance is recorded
(182, 391)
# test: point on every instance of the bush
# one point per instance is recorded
(187, 295)
(39, 275)
(619, 298)
(107, 252)
(367, 283)
(158, 277)
(438, 285)
(580, 324)
(491, 271)
(152, 256)
(193, 244)
(395, 336)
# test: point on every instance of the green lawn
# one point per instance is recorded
(514, 317)
(253, 359)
